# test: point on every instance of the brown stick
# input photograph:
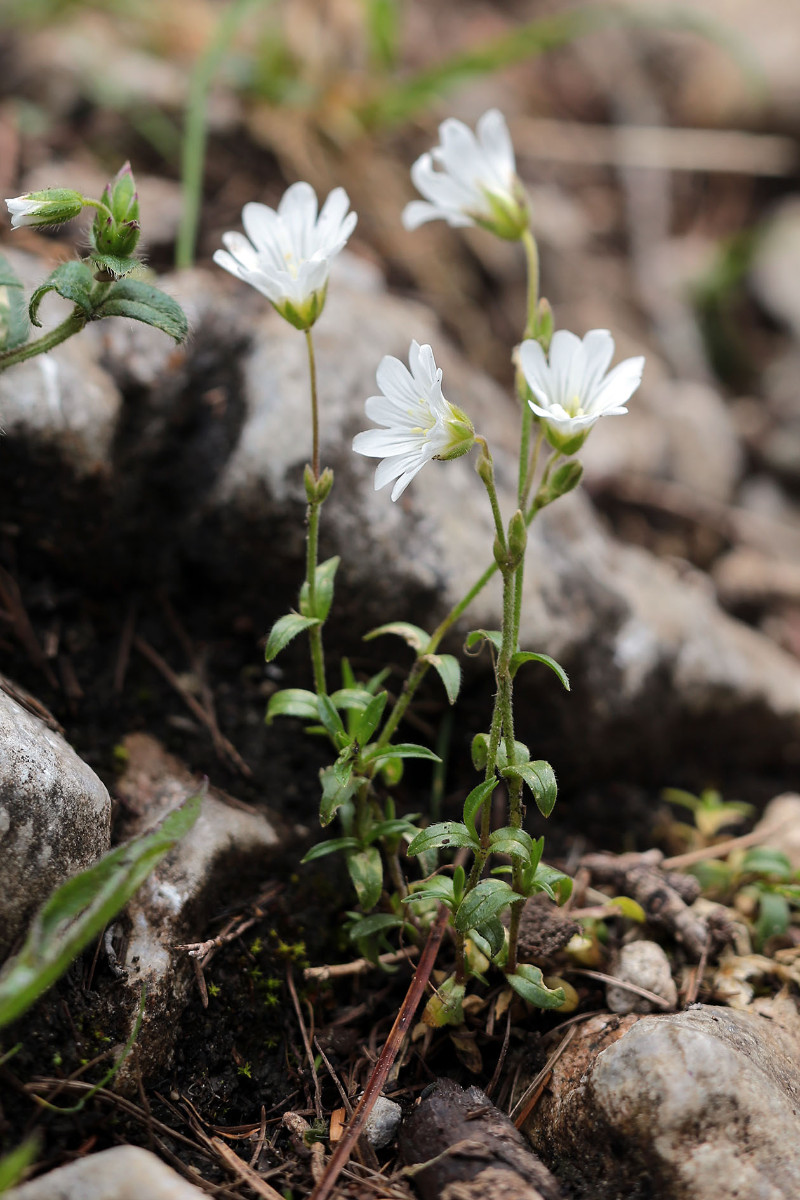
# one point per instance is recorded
(383, 1066)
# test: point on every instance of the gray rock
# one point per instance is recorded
(688, 1106)
(383, 1122)
(54, 816)
(646, 965)
(124, 1173)
(227, 847)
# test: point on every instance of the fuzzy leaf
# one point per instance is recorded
(366, 873)
(142, 302)
(444, 833)
(540, 778)
(480, 752)
(493, 636)
(449, 671)
(527, 981)
(514, 842)
(293, 702)
(523, 656)
(329, 847)
(284, 631)
(476, 800)
(73, 281)
(416, 638)
(370, 718)
(485, 901)
(13, 309)
(113, 264)
(323, 590)
(401, 750)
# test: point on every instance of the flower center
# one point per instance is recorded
(573, 406)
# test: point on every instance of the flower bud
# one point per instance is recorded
(563, 480)
(543, 324)
(52, 206)
(116, 228)
(317, 490)
(508, 215)
(517, 539)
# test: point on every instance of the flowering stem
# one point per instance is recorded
(532, 465)
(74, 323)
(532, 257)
(312, 537)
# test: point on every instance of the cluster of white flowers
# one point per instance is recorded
(469, 179)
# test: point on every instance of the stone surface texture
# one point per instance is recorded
(124, 1173)
(646, 965)
(687, 1106)
(54, 816)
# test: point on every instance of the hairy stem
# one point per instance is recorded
(73, 324)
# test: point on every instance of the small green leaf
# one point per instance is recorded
(476, 800)
(524, 656)
(629, 908)
(763, 860)
(416, 638)
(449, 671)
(493, 933)
(73, 281)
(323, 590)
(391, 771)
(326, 711)
(284, 631)
(486, 900)
(114, 265)
(293, 702)
(370, 718)
(79, 910)
(480, 753)
(540, 778)
(353, 699)
(527, 981)
(14, 1164)
(773, 916)
(514, 842)
(401, 750)
(397, 826)
(13, 309)
(366, 873)
(367, 927)
(329, 847)
(478, 636)
(142, 302)
(440, 888)
(336, 791)
(444, 833)
(552, 882)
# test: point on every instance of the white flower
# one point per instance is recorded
(288, 255)
(470, 181)
(573, 390)
(418, 423)
(52, 206)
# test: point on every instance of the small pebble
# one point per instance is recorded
(646, 965)
(382, 1123)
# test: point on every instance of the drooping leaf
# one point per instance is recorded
(73, 281)
(284, 631)
(142, 302)
(416, 638)
(476, 800)
(444, 833)
(292, 702)
(540, 778)
(401, 750)
(528, 982)
(486, 900)
(478, 636)
(514, 842)
(552, 882)
(367, 927)
(492, 932)
(440, 888)
(366, 874)
(329, 847)
(79, 909)
(351, 699)
(449, 671)
(524, 656)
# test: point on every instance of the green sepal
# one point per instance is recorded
(449, 670)
(443, 833)
(338, 786)
(81, 908)
(478, 636)
(323, 590)
(73, 281)
(416, 638)
(142, 302)
(486, 900)
(514, 842)
(286, 630)
(13, 309)
(366, 873)
(476, 800)
(401, 750)
(528, 982)
(566, 477)
(524, 656)
(540, 778)
(292, 702)
(332, 846)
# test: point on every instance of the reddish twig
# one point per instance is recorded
(380, 1071)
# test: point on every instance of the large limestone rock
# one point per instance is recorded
(54, 815)
(124, 1173)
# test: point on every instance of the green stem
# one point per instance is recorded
(532, 465)
(312, 370)
(194, 140)
(74, 323)
(312, 539)
(532, 258)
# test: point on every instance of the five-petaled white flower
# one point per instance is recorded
(573, 390)
(287, 254)
(470, 180)
(51, 206)
(418, 423)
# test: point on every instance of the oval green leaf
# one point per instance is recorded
(444, 833)
(293, 702)
(486, 900)
(284, 631)
(524, 656)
